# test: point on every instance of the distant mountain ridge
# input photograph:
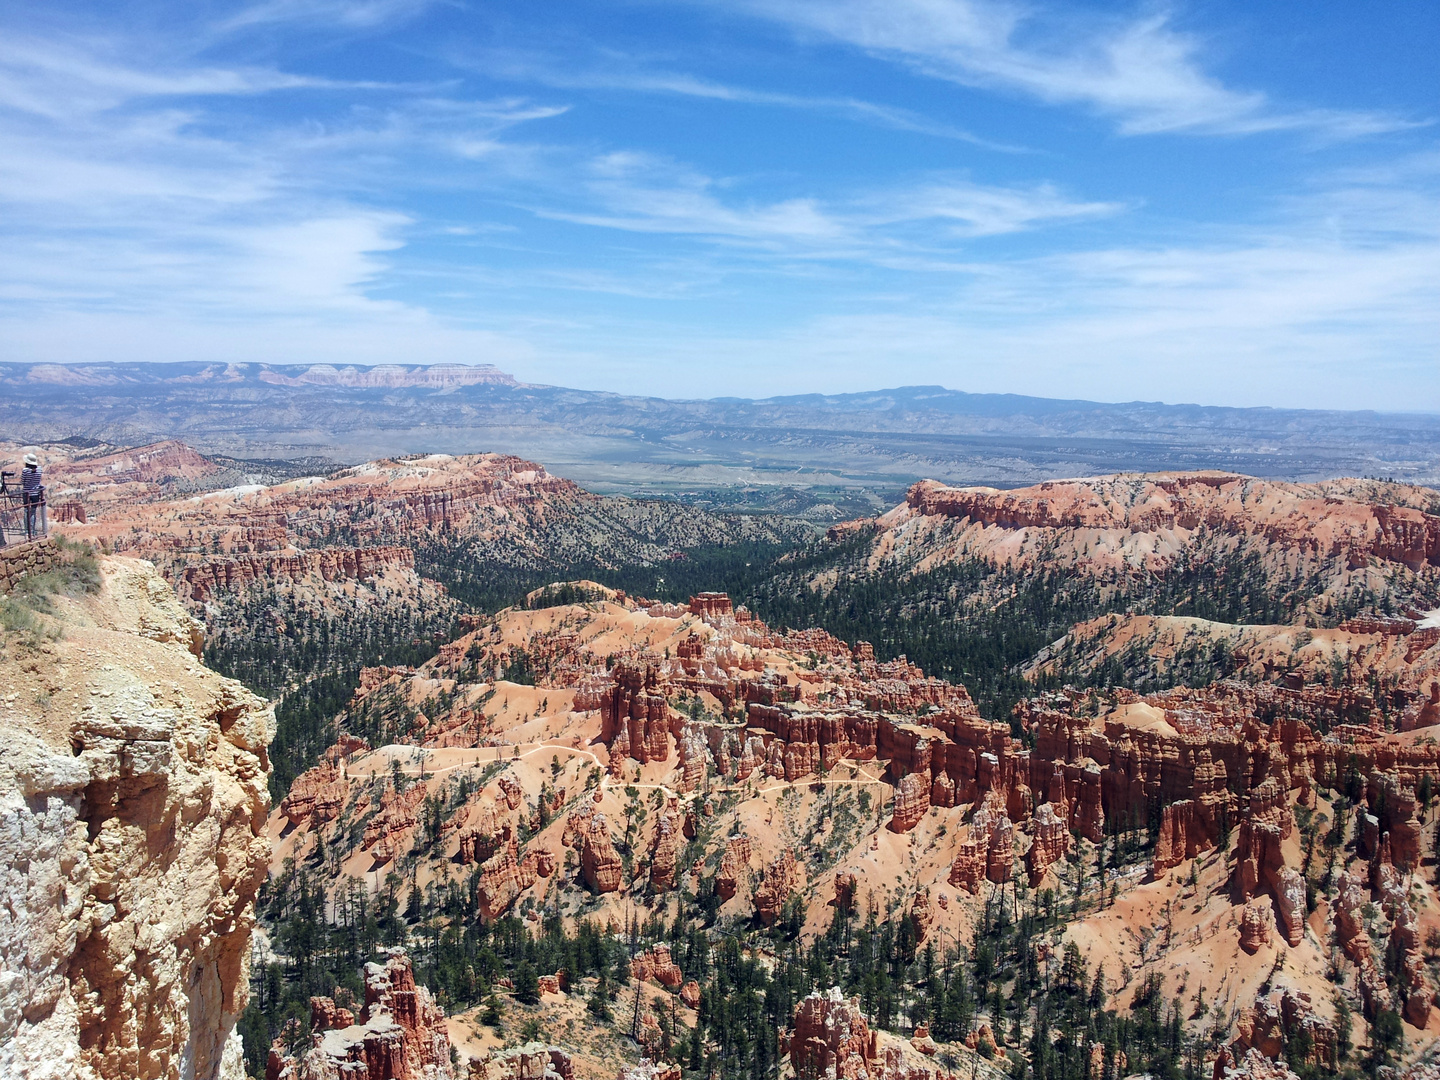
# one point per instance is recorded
(361, 376)
(827, 455)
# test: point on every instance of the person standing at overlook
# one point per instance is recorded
(32, 493)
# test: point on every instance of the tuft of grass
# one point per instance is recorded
(76, 574)
(17, 617)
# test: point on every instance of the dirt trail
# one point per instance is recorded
(416, 767)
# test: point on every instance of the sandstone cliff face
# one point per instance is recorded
(734, 867)
(503, 877)
(656, 963)
(132, 807)
(1275, 1019)
(1051, 842)
(533, 1061)
(987, 852)
(912, 799)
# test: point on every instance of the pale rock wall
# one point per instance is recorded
(132, 810)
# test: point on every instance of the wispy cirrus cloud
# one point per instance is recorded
(351, 14)
(1140, 70)
(611, 71)
(642, 193)
(969, 209)
(55, 79)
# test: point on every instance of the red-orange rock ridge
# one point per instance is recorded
(665, 851)
(635, 716)
(533, 1061)
(600, 863)
(201, 579)
(1311, 517)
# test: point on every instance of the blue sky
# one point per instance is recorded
(1229, 203)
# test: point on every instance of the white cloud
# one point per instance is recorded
(626, 73)
(353, 14)
(119, 186)
(641, 193)
(1141, 71)
(973, 209)
(59, 80)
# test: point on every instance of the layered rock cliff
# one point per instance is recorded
(132, 808)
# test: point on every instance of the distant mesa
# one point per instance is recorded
(393, 376)
(350, 376)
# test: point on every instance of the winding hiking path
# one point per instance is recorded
(487, 755)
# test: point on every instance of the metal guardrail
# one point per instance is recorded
(21, 519)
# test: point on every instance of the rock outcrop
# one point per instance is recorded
(734, 871)
(666, 850)
(635, 717)
(646, 1069)
(533, 1061)
(912, 799)
(988, 851)
(1252, 1066)
(690, 994)
(132, 816)
(656, 963)
(1257, 922)
(1050, 842)
(922, 915)
(831, 1038)
(202, 578)
(783, 878)
(1183, 835)
(316, 795)
(503, 877)
(1278, 1017)
(599, 861)
(1306, 517)
(401, 1034)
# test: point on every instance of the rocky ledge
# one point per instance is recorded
(132, 808)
